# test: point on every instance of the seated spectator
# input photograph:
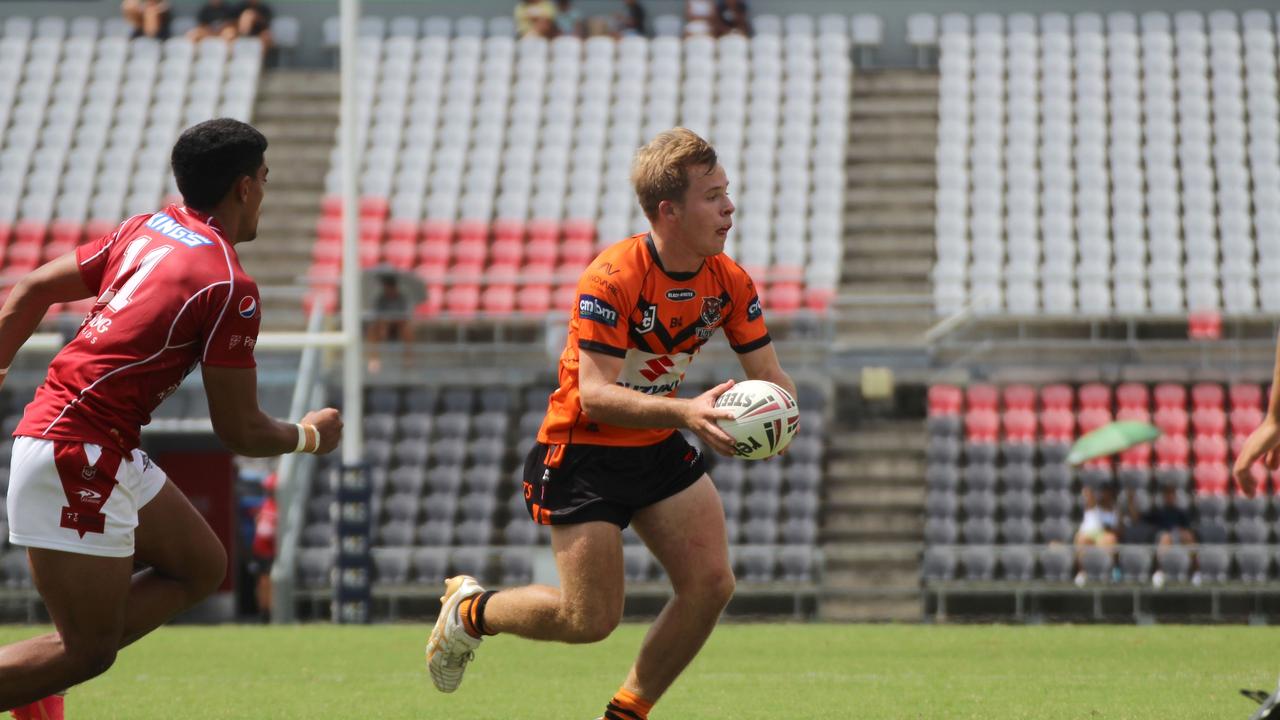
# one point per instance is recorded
(215, 19)
(536, 18)
(389, 321)
(253, 19)
(148, 18)
(631, 21)
(734, 17)
(1100, 524)
(1171, 523)
(700, 18)
(568, 19)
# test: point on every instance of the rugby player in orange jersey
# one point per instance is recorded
(608, 452)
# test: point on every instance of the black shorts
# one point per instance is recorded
(604, 482)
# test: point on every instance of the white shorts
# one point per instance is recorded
(78, 497)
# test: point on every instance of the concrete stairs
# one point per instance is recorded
(298, 112)
(873, 521)
(885, 297)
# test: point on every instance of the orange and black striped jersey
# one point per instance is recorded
(629, 307)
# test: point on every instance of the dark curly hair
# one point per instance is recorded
(209, 157)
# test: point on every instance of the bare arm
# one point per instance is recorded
(246, 430)
(57, 281)
(607, 402)
(1263, 441)
(762, 364)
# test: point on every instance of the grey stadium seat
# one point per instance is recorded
(491, 424)
(381, 426)
(478, 506)
(384, 400)
(1175, 562)
(760, 532)
(1095, 477)
(979, 504)
(474, 532)
(940, 531)
(486, 451)
(434, 533)
(801, 503)
(458, 400)
(756, 564)
(395, 534)
(979, 562)
(1056, 503)
(795, 563)
(1097, 563)
(391, 565)
(940, 504)
(980, 452)
(1172, 477)
(1054, 452)
(445, 478)
(1215, 563)
(473, 561)
(731, 501)
(941, 476)
(944, 425)
(1254, 562)
(1055, 476)
(1018, 452)
(430, 565)
(979, 531)
(449, 450)
(1252, 531)
(1251, 507)
(1056, 562)
(764, 476)
(1211, 506)
(943, 450)
(729, 476)
(416, 425)
(452, 425)
(804, 476)
(314, 566)
(520, 531)
(637, 563)
(411, 451)
(980, 478)
(800, 531)
(497, 400)
(1018, 476)
(517, 567)
(1212, 531)
(440, 506)
(377, 452)
(1017, 563)
(483, 478)
(319, 534)
(1134, 477)
(409, 479)
(939, 564)
(762, 504)
(1018, 503)
(1018, 531)
(1136, 562)
(401, 507)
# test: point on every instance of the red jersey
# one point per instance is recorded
(171, 295)
(631, 308)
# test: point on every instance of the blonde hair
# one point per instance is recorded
(660, 170)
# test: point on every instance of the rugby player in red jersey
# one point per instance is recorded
(83, 499)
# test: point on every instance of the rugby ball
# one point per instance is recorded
(767, 417)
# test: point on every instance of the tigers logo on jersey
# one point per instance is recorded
(712, 308)
(248, 307)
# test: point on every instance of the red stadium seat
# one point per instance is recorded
(6, 234)
(434, 303)
(945, 400)
(55, 249)
(564, 297)
(1206, 395)
(331, 207)
(502, 274)
(95, 229)
(434, 252)
(66, 232)
(326, 298)
(1133, 395)
(1170, 395)
(466, 274)
(370, 254)
(508, 230)
(1057, 425)
(498, 299)
(533, 299)
(982, 397)
(400, 254)
(473, 231)
(1057, 397)
(541, 251)
(506, 251)
(785, 298)
(580, 229)
(1171, 421)
(1092, 418)
(1172, 450)
(1138, 456)
(819, 299)
(1019, 397)
(1134, 414)
(470, 252)
(577, 252)
(1211, 478)
(1244, 420)
(21, 258)
(544, 231)
(1209, 448)
(372, 229)
(1019, 425)
(329, 229)
(30, 231)
(401, 230)
(374, 207)
(793, 274)
(1204, 325)
(437, 230)
(1209, 421)
(1246, 395)
(462, 299)
(1095, 395)
(982, 426)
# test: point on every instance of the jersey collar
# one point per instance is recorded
(657, 259)
(205, 218)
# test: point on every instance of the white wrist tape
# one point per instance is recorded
(304, 438)
(4, 371)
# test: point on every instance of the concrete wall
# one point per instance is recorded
(895, 52)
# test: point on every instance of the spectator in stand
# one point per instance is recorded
(734, 17)
(390, 322)
(631, 21)
(215, 19)
(253, 19)
(568, 19)
(1100, 524)
(700, 18)
(536, 18)
(149, 18)
(264, 547)
(1170, 521)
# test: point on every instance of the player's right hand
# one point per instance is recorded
(328, 422)
(700, 415)
(1264, 442)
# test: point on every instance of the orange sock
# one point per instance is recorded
(471, 612)
(627, 705)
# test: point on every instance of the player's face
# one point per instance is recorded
(253, 202)
(707, 212)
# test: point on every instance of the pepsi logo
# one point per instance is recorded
(248, 307)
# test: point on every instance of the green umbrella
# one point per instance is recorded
(1110, 439)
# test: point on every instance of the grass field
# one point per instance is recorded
(746, 671)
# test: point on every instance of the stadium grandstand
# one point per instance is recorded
(977, 236)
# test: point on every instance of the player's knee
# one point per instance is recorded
(210, 572)
(717, 589)
(592, 627)
(91, 657)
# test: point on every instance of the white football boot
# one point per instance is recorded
(451, 647)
